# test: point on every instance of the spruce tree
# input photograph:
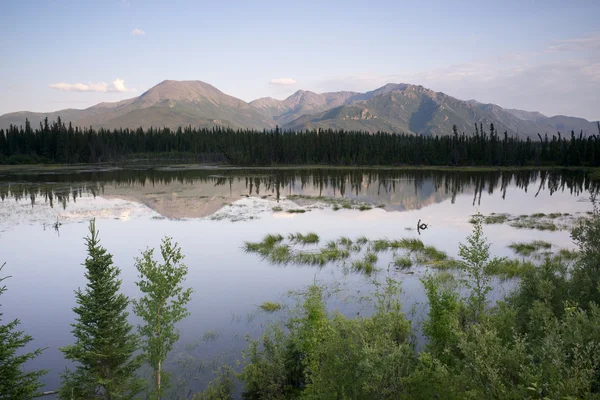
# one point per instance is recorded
(14, 383)
(163, 305)
(105, 344)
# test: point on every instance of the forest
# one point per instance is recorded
(57, 142)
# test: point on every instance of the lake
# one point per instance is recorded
(212, 212)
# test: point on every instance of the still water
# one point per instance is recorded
(212, 212)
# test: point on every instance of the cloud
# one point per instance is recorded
(587, 43)
(118, 85)
(282, 82)
(138, 32)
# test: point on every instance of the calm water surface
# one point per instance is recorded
(135, 208)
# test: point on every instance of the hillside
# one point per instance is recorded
(402, 107)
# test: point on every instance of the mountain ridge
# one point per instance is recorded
(394, 107)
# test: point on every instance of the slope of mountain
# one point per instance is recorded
(170, 103)
(301, 103)
(415, 109)
(393, 108)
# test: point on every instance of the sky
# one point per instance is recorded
(532, 55)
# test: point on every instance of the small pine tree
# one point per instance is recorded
(105, 344)
(14, 383)
(163, 305)
(476, 257)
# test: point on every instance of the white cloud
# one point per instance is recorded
(138, 32)
(587, 43)
(282, 82)
(118, 85)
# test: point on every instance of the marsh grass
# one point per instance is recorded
(282, 251)
(309, 238)
(495, 219)
(270, 306)
(506, 268)
(403, 262)
(527, 249)
(538, 221)
(567, 255)
(536, 224)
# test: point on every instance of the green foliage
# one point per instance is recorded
(475, 256)
(221, 388)
(507, 269)
(587, 270)
(270, 306)
(402, 262)
(14, 382)
(527, 249)
(104, 345)
(309, 238)
(163, 304)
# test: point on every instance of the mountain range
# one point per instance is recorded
(392, 108)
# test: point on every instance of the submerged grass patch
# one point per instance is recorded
(537, 221)
(403, 262)
(270, 306)
(527, 249)
(567, 254)
(309, 238)
(507, 269)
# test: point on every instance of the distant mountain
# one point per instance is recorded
(170, 103)
(301, 103)
(401, 107)
(415, 109)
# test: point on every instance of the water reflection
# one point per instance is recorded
(200, 192)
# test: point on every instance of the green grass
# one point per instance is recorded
(269, 306)
(364, 207)
(507, 269)
(494, 219)
(403, 262)
(296, 211)
(567, 255)
(535, 224)
(527, 249)
(411, 244)
(309, 238)
(434, 254)
(277, 209)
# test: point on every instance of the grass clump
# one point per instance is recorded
(507, 269)
(491, 219)
(568, 255)
(296, 211)
(309, 238)
(270, 306)
(529, 223)
(527, 249)
(402, 262)
(364, 207)
(434, 254)
(277, 209)
(365, 265)
(411, 244)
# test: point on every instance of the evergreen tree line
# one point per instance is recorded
(58, 142)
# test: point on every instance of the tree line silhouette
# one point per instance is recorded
(63, 188)
(58, 142)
